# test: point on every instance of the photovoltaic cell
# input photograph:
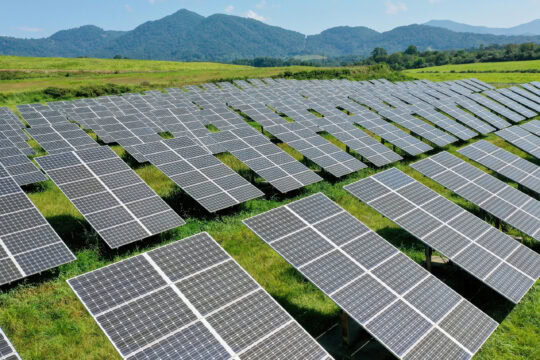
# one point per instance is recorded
(109, 195)
(190, 300)
(62, 138)
(505, 163)
(501, 200)
(266, 159)
(395, 299)
(466, 233)
(7, 351)
(200, 174)
(28, 244)
(522, 139)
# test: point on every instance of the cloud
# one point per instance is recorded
(395, 8)
(253, 15)
(229, 9)
(128, 8)
(261, 4)
(152, 1)
(30, 29)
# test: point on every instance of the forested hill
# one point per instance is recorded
(188, 36)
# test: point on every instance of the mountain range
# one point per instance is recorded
(188, 36)
(530, 28)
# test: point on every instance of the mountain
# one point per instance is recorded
(188, 36)
(530, 28)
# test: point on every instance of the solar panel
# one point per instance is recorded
(482, 112)
(505, 163)
(28, 244)
(111, 197)
(42, 116)
(496, 107)
(444, 122)
(271, 163)
(190, 300)
(484, 84)
(531, 88)
(316, 148)
(18, 165)
(392, 297)
(532, 126)
(357, 140)
(526, 98)
(420, 128)
(7, 351)
(60, 138)
(508, 102)
(200, 174)
(394, 135)
(494, 258)
(487, 192)
(522, 139)
(463, 117)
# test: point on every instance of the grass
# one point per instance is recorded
(498, 73)
(45, 320)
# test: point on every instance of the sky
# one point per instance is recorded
(42, 18)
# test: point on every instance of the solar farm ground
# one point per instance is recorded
(45, 320)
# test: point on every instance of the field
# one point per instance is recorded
(497, 73)
(45, 320)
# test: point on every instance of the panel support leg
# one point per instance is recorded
(429, 252)
(347, 149)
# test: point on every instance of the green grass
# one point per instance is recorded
(500, 73)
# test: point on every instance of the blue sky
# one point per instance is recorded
(40, 18)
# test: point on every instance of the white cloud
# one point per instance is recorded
(30, 29)
(261, 4)
(128, 8)
(395, 8)
(253, 15)
(229, 9)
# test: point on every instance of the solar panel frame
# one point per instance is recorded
(522, 139)
(184, 281)
(85, 173)
(7, 350)
(505, 163)
(474, 189)
(28, 243)
(361, 288)
(419, 222)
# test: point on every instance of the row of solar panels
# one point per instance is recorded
(115, 201)
(126, 206)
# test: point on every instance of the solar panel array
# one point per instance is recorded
(480, 249)
(111, 197)
(39, 115)
(316, 148)
(60, 138)
(487, 192)
(531, 88)
(271, 163)
(200, 174)
(505, 163)
(496, 107)
(403, 306)
(482, 113)
(11, 128)
(417, 126)
(444, 122)
(7, 351)
(18, 165)
(190, 300)
(510, 103)
(522, 139)
(522, 96)
(532, 126)
(28, 244)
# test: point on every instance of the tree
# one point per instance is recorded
(379, 54)
(411, 50)
(116, 57)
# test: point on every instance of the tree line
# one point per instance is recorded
(412, 58)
